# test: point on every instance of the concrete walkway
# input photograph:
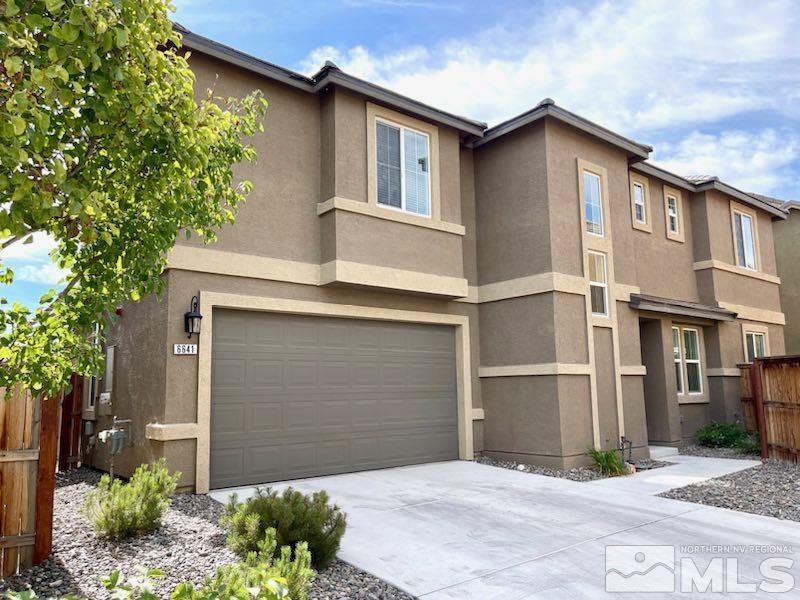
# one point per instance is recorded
(685, 471)
(462, 530)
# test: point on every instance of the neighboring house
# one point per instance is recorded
(787, 254)
(405, 285)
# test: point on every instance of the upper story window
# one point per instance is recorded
(639, 209)
(593, 203)
(598, 283)
(403, 168)
(744, 232)
(672, 215)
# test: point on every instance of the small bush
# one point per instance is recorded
(608, 462)
(120, 510)
(720, 435)
(257, 577)
(750, 444)
(295, 517)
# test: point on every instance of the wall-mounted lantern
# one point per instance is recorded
(191, 319)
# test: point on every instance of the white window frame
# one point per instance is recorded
(751, 217)
(693, 361)
(585, 212)
(600, 284)
(637, 203)
(402, 207)
(678, 350)
(754, 334)
(676, 215)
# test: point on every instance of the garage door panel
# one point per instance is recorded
(298, 396)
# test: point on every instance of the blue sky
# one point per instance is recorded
(714, 87)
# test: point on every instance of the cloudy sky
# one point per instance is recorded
(713, 86)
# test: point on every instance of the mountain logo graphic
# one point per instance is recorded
(640, 568)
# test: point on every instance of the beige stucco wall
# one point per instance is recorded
(787, 250)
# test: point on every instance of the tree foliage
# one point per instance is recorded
(104, 147)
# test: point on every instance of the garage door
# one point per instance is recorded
(298, 396)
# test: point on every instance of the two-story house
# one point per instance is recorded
(405, 285)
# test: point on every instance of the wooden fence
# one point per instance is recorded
(770, 391)
(28, 448)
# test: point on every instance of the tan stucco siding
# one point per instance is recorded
(518, 331)
(511, 206)
(279, 217)
(787, 250)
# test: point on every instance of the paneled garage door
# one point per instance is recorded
(299, 396)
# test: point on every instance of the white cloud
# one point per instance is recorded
(754, 162)
(635, 67)
(40, 273)
(39, 249)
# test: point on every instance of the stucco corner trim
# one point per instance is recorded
(623, 291)
(342, 271)
(751, 313)
(535, 370)
(633, 370)
(388, 214)
(723, 266)
(478, 414)
(165, 432)
(723, 372)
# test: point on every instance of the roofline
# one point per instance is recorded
(548, 108)
(712, 184)
(791, 205)
(194, 41)
(328, 75)
(333, 75)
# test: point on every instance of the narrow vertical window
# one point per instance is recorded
(672, 214)
(640, 213)
(403, 168)
(676, 356)
(691, 353)
(745, 240)
(387, 141)
(756, 345)
(593, 203)
(598, 284)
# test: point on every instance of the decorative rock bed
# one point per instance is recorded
(574, 474)
(189, 546)
(702, 451)
(771, 489)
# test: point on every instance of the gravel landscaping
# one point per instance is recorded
(771, 489)
(189, 545)
(574, 474)
(695, 450)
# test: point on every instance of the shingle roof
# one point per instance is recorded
(698, 179)
(680, 307)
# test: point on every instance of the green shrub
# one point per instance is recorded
(258, 577)
(295, 518)
(608, 462)
(720, 435)
(120, 510)
(750, 443)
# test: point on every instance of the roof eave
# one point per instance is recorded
(742, 196)
(549, 109)
(664, 306)
(196, 42)
(395, 100)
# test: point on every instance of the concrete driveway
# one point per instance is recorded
(465, 530)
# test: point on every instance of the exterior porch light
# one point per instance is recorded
(191, 319)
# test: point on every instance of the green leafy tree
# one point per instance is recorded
(104, 147)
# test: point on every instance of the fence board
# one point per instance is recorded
(21, 487)
(778, 396)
